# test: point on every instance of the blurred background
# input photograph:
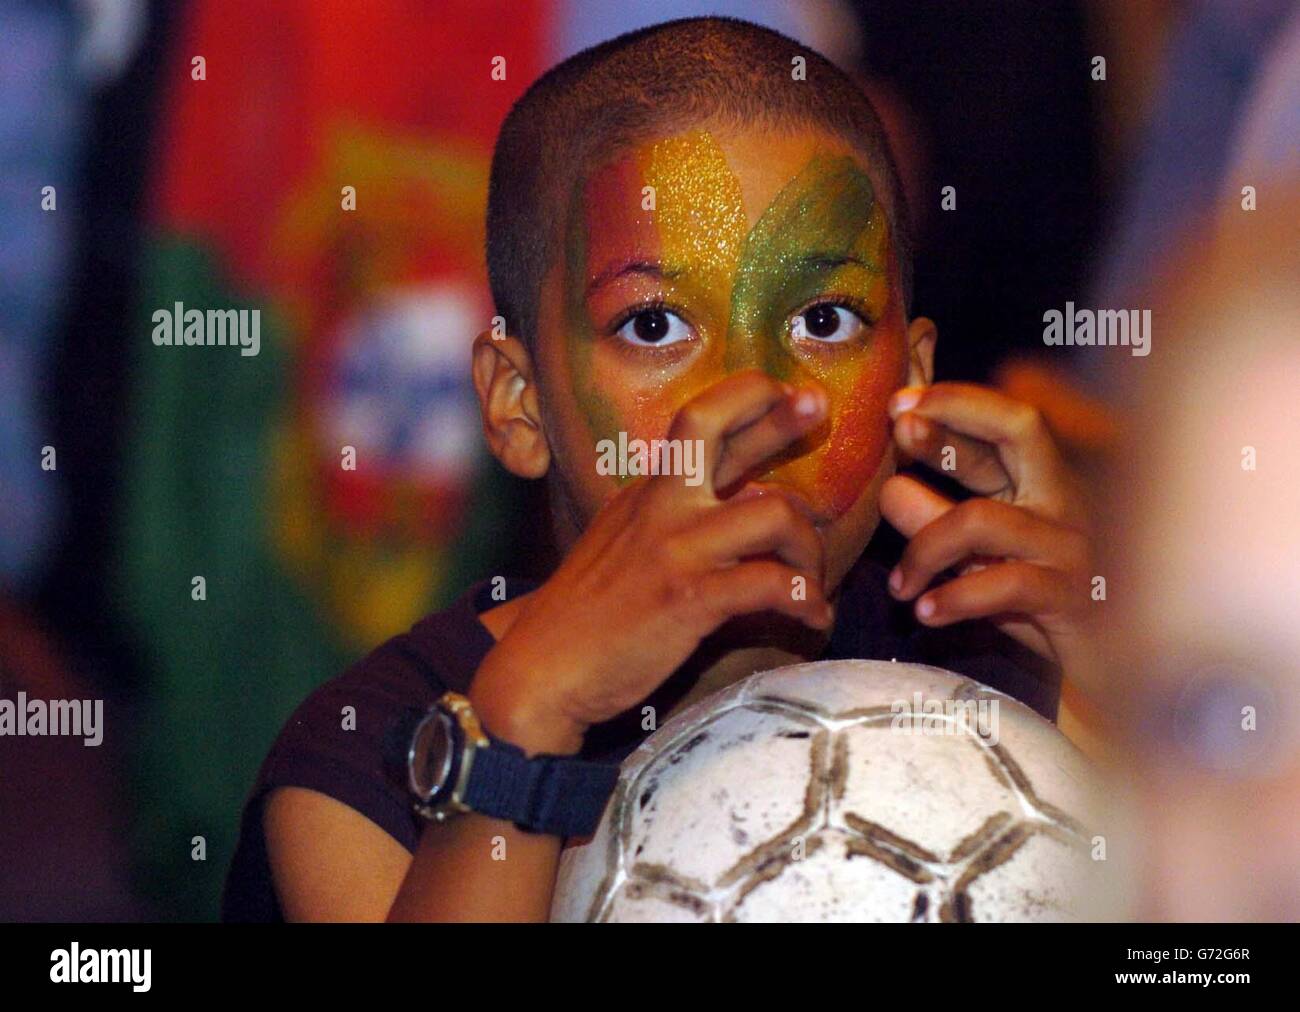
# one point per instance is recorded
(129, 182)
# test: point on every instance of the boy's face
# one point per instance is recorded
(699, 254)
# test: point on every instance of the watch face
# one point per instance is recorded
(432, 754)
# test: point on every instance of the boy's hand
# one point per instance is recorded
(1019, 547)
(661, 566)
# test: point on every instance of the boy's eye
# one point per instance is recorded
(827, 323)
(654, 328)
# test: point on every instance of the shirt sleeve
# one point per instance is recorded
(347, 742)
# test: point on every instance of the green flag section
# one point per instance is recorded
(231, 641)
(284, 512)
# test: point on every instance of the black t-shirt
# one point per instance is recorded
(354, 755)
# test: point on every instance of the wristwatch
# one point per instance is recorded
(455, 766)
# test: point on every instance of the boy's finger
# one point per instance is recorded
(755, 527)
(725, 408)
(1016, 431)
(982, 527)
(974, 463)
(909, 504)
(763, 585)
(792, 418)
(1006, 588)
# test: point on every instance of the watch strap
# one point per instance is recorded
(559, 795)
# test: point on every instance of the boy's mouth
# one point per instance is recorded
(758, 489)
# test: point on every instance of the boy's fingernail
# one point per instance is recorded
(905, 400)
(896, 580)
(916, 428)
(925, 607)
(807, 404)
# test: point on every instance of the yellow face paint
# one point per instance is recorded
(700, 215)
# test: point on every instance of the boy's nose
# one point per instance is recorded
(751, 350)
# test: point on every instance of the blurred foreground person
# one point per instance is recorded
(1203, 674)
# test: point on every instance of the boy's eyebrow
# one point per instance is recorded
(829, 261)
(817, 261)
(650, 268)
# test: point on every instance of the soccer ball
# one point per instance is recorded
(845, 791)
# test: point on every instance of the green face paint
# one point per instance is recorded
(823, 215)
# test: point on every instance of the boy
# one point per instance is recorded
(688, 242)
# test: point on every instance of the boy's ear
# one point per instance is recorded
(507, 399)
(921, 336)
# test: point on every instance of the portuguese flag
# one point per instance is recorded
(324, 164)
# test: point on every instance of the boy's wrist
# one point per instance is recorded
(522, 719)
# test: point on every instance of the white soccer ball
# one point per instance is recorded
(845, 791)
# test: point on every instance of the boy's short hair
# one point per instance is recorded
(666, 76)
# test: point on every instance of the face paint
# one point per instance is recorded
(696, 223)
(700, 213)
(603, 204)
(824, 234)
